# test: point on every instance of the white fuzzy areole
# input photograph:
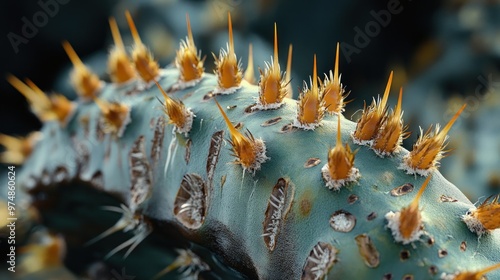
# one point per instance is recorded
(223, 91)
(473, 223)
(188, 124)
(393, 222)
(336, 185)
(260, 156)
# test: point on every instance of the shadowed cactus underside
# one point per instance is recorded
(285, 220)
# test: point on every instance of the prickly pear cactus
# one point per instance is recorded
(278, 188)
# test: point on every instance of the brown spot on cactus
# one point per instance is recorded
(17, 149)
(227, 66)
(250, 153)
(332, 91)
(445, 198)
(306, 203)
(115, 117)
(188, 60)
(277, 209)
(367, 250)
(310, 107)
(484, 218)
(474, 275)
(339, 169)
(402, 190)
(372, 118)
(190, 204)
(342, 221)
(429, 149)
(216, 142)
(404, 255)
(145, 65)
(272, 121)
(86, 83)
(442, 253)
(390, 136)
(433, 270)
(249, 75)
(272, 85)
(187, 155)
(120, 68)
(406, 226)
(140, 174)
(319, 262)
(351, 199)
(312, 162)
(463, 246)
(180, 116)
(372, 216)
(56, 107)
(157, 142)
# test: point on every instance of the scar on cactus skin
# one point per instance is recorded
(120, 68)
(428, 149)
(272, 84)
(180, 116)
(189, 62)
(310, 106)
(484, 218)
(333, 94)
(54, 108)
(340, 169)
(227, 67)
(372, 118)
(406, 226)
(86, 83)
(144, 63)
(115, 117)
(390, 136)
(18, 149)
(249, 152)
(470, 275)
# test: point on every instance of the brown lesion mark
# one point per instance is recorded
(312, 162)
(319, 262)
(208, 96)
(216, 142)
(408, 277)
(157, 142)
(239, 125)
(404, 255)
(277, 209)
(351, 199)
(187, 155)
(402, 190)
(140, 174)
(305, 203)
(463, 246)
(288, 128)
(190, 204)
(250, 109)
(367, 250)
(433, 270)
(231, 107)
(372, 216)
(442, 253)
(445, 198)
(272, 121)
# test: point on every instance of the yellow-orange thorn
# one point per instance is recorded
(475, 275)
(55, 107)
(428, 149)
(115, 117)
(406, 225)
(180, 116)
(144, 63)
(484, 218)
(249, 75)
(48, 254)
(288, 73)
(333, 93)
(120, 68)
(339, 169)
(391, 134)
(188, 60)
(17, 149)
(310, 107)
(227, 68)
(372, 118)
(272, 85)
(86, 83)
(249, 152)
